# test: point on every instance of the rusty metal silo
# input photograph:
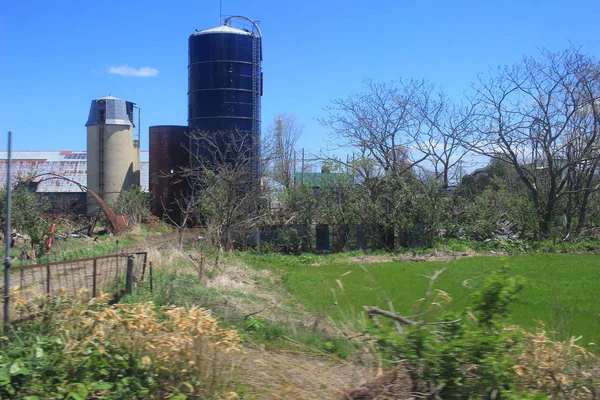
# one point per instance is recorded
(168, 156)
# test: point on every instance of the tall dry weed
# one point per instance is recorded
(184, 350)
(561, 369)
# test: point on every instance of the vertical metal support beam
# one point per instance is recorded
(130, 272)
(94, 281)
(47, 280)
(101, 128)
(7, 234)
(151, 283)
(220, 12)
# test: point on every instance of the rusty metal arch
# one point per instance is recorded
(118, 223)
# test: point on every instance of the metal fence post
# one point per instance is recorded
(7, 235)
(117, 261)
(130, 272)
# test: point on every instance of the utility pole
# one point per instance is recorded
(302, 172)
(7, 236)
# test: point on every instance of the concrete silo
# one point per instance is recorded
(225, 86)
(113, 156)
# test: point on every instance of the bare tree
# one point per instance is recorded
(443, 133)
(182, 212)
(380, 124)
(531, 118)
(582, 180)
(279, 148)
(223, 174)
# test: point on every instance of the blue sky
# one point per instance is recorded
(55, 55)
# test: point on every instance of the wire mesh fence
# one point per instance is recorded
(85, 276)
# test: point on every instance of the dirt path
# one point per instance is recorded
(297, 372)
(168, 240)
(298, 376)
(438, 255)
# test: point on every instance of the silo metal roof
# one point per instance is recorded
(116, 111)
(223, 29)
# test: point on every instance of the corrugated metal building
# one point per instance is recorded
(68, 163)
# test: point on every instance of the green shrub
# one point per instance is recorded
(462, 356)
(135, 204)
(476, 354)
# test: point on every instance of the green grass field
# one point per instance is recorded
(563, 290)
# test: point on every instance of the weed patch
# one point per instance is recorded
(88, 349)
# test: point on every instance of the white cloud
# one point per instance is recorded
(126, 70)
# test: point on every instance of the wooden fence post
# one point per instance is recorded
(150, 273)
(130, 272)
(144, 266)
(94, 275)
(47, 280)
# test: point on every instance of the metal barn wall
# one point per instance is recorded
(68, 163)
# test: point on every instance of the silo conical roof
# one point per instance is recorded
(116, 111)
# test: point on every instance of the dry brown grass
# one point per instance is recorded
(561, 369)
(295, 375)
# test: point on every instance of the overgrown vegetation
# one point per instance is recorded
(27, 216)
(78, 349)
(135, 204)
(178, 284)
(476, 354)
(70, 248)
(464, 347)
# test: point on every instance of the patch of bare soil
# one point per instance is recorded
(392, 385)
(440, 255)
(298, 376)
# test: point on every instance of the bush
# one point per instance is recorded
(477, 355)
(467, 356)
(88, 349)
(135, 204)
(27, 215)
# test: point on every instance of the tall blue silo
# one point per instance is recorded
(225, 87)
